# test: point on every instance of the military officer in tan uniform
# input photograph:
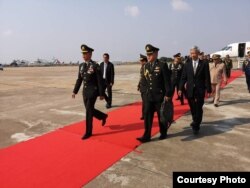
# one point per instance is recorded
(217, 73)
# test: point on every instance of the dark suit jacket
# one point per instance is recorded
(90, 76)
(157, 81)
(196, 84)
(110, 72)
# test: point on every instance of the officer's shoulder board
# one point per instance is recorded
(162, 64)
(96, 65)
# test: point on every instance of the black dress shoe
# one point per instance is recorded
(104, 120)
(86, 136)
(142, 118)
(108, 106)
(163, 136)
(182, 102)
(143, 140)
(216, 105)
(192, 124)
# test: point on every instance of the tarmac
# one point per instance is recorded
(37, 100)
(222, 145)
(34, 101)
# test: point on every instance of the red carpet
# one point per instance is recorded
(62, 159)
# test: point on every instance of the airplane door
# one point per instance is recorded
(241, 50)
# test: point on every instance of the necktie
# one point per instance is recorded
(195, 67)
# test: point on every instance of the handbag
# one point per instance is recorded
(167, 113)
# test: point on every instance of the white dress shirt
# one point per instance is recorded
(104, 70)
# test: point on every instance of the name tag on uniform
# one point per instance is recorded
(157, 69)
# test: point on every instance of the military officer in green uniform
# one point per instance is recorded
(156, 78)
(229, 65)
(141, 86)
(176, 71)
(89, 75)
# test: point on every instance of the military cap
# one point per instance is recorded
(216, 56)
(142, 57)
(177, 55)
(151, 49)
(86, 49)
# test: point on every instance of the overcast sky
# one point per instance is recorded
(31, 29)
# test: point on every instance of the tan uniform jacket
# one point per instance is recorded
(217, 72)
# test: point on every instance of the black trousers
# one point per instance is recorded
(175, 86)
(248, 81)
(228, 73)
(91, 112)
(108, 98)
(149, 109)
(196, 107)
(143, 95)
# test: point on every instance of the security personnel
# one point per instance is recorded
(246, 69)
(141, 86)
(229, 65)
(89, 74)
(156, 78)
(176, 70)
(108, 74)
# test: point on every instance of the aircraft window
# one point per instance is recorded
(229, 48)
(224, 48)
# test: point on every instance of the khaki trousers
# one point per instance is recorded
(216, 93)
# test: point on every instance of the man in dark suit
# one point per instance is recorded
(156, 78)
(141, 86)
(108, 74)
(196, 76)
(89, 75)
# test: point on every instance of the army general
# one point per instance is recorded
(89, 74)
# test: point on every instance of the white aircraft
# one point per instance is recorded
(238, 50)
(19, 63)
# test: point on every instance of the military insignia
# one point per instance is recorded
(146, 73)
(147, 48)
(90, 70)
(157, 69)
